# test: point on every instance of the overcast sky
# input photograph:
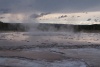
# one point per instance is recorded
(17, 6)
(45, 6)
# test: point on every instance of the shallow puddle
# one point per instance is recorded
(37, 55)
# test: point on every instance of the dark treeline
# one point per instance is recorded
(47, 27)
(94, 27)
(11, 27)
(65, 27)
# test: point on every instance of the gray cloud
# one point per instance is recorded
(66, 5)
(38, 15)
(21, 6)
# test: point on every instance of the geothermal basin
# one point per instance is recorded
(49, 49)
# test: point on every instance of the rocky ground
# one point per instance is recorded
(49, 49)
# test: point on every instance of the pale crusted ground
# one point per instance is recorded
(56, 49)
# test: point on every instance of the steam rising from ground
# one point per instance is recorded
(38, 27)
